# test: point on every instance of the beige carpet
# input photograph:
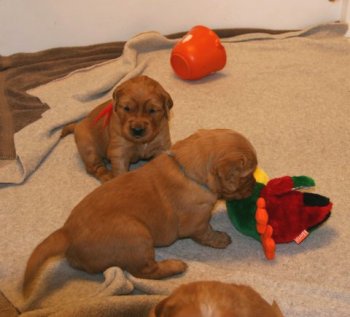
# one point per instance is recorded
(289, 94)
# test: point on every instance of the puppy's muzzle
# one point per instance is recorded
(138, 132)
(138, 129)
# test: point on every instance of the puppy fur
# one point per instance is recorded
(138, 128)
(171, 197)
(215, 299)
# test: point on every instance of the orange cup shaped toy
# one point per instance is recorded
(198, 54)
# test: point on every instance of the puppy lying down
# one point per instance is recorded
(137, 128)
(215, 299)
(171, 197)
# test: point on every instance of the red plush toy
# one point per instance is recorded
(279, 212)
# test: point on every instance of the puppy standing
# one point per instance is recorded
(171, 197)
(138, 128)
(215, 299)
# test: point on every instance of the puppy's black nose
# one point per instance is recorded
(138, 132)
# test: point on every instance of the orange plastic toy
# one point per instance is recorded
(198, 54)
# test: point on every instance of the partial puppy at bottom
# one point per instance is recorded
(215, 299)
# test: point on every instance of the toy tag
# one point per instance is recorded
(301, 237)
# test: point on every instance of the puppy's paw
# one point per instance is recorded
(175, 266)
(219, 240)
(105, 177)
(214, 239)
(180, 266)
(162, 269)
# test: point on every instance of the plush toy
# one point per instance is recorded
(278, 212)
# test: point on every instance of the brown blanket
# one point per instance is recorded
(23, 71)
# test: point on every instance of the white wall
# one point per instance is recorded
(345, 14)
(31, 25)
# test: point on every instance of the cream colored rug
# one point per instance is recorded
(289, 94)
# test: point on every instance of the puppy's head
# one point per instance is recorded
(142, 106)
(177, 305)
(214, 299)
(234, 174)
(234, 167)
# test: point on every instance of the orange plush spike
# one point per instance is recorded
(261, 203)
(261, 216)
(268, 243)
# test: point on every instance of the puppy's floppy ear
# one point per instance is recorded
(116, 95)
(167, 102)
(229, 170)
(227, 173)
(230, 166)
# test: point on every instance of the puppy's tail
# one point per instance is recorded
(55, 244)
(68, 129)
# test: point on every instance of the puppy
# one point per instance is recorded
(138, 128)
(215, 299)
(171, 197)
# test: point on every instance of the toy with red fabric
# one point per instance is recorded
(279, 212)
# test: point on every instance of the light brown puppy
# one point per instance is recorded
(138, 128)
(171, 197)
(215, 299)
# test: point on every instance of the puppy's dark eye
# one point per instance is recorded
(152, 111)
(126, 109)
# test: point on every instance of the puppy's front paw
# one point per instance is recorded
(105, 177)
(220, 240)
(214, 239)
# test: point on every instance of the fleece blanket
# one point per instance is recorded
(23, 71)
(288, 93)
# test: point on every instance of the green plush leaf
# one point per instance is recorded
(303, 181)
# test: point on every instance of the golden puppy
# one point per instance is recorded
(138, 128)
(171, 197)
(215, 299)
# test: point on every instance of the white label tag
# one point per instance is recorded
(301, 237)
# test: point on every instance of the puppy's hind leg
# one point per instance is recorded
(145, 265)
(93, 161)
(94, 165)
